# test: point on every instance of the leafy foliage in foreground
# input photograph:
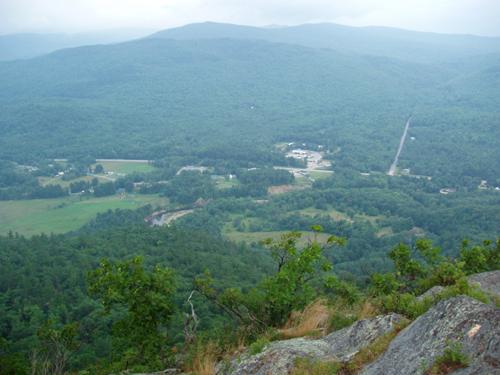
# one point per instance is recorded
(260, 291)
(44, 278)
(290, 288)
(148, 300)
(418, 272)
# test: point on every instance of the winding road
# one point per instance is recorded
(394, 165)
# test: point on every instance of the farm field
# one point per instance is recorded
(65, 184)
(320, 174)
(333, 213)
(29, 217)
(125, 166)
(224, 183)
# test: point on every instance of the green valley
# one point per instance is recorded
(166, 202)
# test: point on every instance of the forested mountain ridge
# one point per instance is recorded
(178, 98)
(379, 41)
(159, 89)
(248, 170)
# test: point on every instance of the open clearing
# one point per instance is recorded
(113, 169)
(125, 166)
(250, 237)
(59, 181)
(333, 213)
(61, 215)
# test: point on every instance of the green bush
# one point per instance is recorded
(258, 346)
(452, 359)
(339, 321)
(289, 289)
(405, 304)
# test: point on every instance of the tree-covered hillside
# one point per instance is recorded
(45, 278)
(378, 41)
(174, 97)
(160, 98)
(213, 142)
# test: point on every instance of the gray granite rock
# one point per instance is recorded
(488, 282)
(279, 357)
(346, 343)
(431, 293)
(475, 325)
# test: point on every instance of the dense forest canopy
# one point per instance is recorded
(241, 172)
(176, 94)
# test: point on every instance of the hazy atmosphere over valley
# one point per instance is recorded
(234, 187)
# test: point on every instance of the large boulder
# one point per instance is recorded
(431, 293)
(475, 325)
(488, 282)
(279, 356)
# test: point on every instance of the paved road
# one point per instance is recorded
(394, 165)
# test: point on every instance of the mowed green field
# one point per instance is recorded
(333, 213)
(58, 181)
(125, 167)
(118, 167)
(61, 215)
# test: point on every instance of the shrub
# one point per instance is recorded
(405, 304)
(452, 359)
(346, 291)
(306, 366)
(383, 284)
(339, 320)
(277, 296)
(258, 346)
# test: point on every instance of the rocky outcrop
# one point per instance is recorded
(346, 343)
(488, 282)
(279, 356)
(431, 293)
(475, 325)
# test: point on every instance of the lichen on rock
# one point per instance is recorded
(473, 324)
(279, 357)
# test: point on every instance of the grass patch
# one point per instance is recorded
(365, 356)
(320, 175)
(306, 366)
(452, 359)
(371, 352)
(125, 167)
(302, 181)
(312, 321)
(29, 217)
(204, 361)
(333, 213)
(226, 183)
(65, 184)
(258, 346)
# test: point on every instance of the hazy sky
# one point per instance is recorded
(452, 16)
